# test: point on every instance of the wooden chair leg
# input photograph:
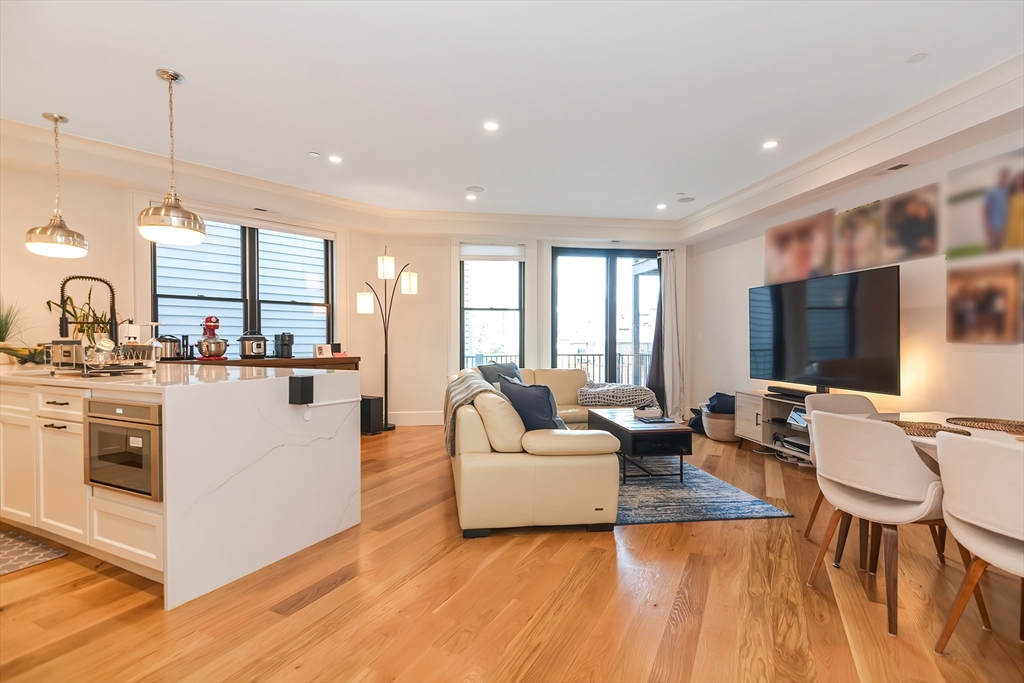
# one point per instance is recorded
(814, 513)
(844, 531)
(974, 573)
(863, 538)
(833, 522)
(876, 541)
(965, 557)
(939, 541)
(891, 541)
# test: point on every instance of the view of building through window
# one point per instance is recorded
(492, 312)
(582, 327)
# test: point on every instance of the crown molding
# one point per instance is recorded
(997, 90)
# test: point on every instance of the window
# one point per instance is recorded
(492, 304)
(604, 309)
(250, 278)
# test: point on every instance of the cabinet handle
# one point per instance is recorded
(57, 403)
(53, 426)
(757, 419)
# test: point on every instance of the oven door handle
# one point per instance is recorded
(53, 426)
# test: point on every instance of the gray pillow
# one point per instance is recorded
(535, 403)
(492, 371)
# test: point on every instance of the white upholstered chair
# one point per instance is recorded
(870, 469)
(846, 404)
(983, 507)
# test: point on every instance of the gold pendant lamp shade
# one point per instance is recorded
(55, 238)
(171, 223)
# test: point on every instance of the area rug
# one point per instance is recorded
(20, 551)
(701, 497)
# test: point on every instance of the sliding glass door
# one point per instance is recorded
(603, 314)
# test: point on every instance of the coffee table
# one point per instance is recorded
(638, 439)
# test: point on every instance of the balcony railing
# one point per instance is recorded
(633, 368)
(483, 359)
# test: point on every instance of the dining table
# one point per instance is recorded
(926, 445)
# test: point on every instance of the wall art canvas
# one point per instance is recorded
(986, 206)
(984, 304)
(910, 225)
(799, 250)
(858, 238)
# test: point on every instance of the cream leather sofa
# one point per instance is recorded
(565, 385)
(508, 477)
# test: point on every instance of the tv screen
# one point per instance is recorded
(840, 331)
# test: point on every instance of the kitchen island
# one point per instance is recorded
(245, 478)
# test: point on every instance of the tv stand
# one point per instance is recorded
(760, 416)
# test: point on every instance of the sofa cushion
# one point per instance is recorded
(569, 442)
(491, 371)
(535, 404)
(576, 414)
(565, 383)
(502, 423)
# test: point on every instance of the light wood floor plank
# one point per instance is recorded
(402, 597)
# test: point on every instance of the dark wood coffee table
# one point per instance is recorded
(638, 439)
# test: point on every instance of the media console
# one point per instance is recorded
(760, 416)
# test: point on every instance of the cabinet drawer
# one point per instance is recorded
(15, 400)
(127, 532)
(749, 411)
(60, 403)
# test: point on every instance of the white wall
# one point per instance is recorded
(974, 379)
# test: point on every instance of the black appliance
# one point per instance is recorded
(840, 331)
(252, 344)
(122, 447)
(283, 345)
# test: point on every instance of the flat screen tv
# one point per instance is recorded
(840, 331)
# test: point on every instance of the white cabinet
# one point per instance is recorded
(63, 496)
(127, 531)
(749, 412)
(18, 468)
(60, 403)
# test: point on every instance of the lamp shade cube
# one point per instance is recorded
(364, 303)
(386, 267)
(410, 283)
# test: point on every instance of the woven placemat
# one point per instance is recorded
(929, 429)
(995, 424)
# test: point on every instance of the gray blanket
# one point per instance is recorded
(605, 394)
(461, 392)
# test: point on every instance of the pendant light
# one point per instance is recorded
(56, 238)
(171, 223)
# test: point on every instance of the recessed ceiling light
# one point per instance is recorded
(662, 206)
(474, 188)
(335, 158)
(491, 125)
(314, 154)
(770, 144)
(686, 200)
(919, 57)
(470, 196)
(256, 208)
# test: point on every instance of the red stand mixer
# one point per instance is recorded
(212, 347)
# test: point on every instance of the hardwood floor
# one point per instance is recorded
(404, 597)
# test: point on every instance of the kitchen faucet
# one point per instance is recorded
(64, 301)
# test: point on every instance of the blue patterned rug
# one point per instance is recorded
(701, 497)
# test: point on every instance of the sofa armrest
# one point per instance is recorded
(470, 436)
(569, 442)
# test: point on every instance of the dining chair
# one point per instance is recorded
(845, 404)
(983, 507)
(869, 469)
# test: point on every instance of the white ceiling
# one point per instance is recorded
(606, 109)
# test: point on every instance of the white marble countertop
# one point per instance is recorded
(164, 377)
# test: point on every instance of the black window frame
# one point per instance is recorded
(249, 285)
(611, 276)
(463, 309)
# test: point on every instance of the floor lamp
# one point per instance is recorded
(364, 305)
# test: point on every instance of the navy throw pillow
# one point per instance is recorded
(535, 403)
(492, 371)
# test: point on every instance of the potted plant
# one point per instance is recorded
(88, 323)
(10, 315)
